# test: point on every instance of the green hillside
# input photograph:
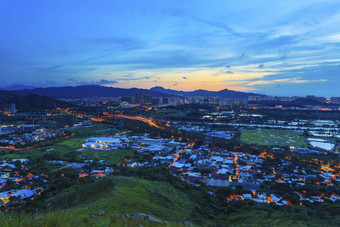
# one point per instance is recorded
(125, 195)
(72, 219)
(171, 202)
(113, 195)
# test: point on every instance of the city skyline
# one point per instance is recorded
(273, 48)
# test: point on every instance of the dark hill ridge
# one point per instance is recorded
(205, 93)
(31, 102)
(7, 95)
(90, 91)
(114, 92)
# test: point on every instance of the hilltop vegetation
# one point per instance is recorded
(71, 219)
(117, 194)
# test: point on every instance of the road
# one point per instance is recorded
(145, 120)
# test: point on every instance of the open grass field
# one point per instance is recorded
(273, 137)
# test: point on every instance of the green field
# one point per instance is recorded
(272, 137)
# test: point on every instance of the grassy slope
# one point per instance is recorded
(114, 195)
(72, 219)
(120, 195)
(272, 137)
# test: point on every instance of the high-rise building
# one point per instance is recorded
(12, 107)
(165, 101)
(8, 108)
(139, 98)
(147, 99)
(155, 101)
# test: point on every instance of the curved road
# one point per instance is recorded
(145, 120)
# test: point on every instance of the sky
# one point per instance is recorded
(283, 48)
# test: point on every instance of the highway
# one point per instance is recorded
(145, 120)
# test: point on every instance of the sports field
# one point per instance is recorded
(273, 137)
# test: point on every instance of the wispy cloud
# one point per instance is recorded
(99, 82)
(51, 68)
(217, 45)
(284, 81)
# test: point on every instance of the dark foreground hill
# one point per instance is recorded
(31, 102)
(125, 195)
(90, 91)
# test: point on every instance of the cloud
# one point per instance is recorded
(259, 82)
(51, 68)
(244, 55)
(169, 39)
(279, 42)
(132, 77)
(284, 81)
(117, 45)
(223, 26)
(103, 82)
(175, 84)
(283, 55)
(99, 82)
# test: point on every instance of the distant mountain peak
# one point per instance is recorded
(225, 93)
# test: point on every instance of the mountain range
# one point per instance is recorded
(225, 93)
(87, 91)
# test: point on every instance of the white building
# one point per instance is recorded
(102, 143)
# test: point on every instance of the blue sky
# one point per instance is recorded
(269, 47)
